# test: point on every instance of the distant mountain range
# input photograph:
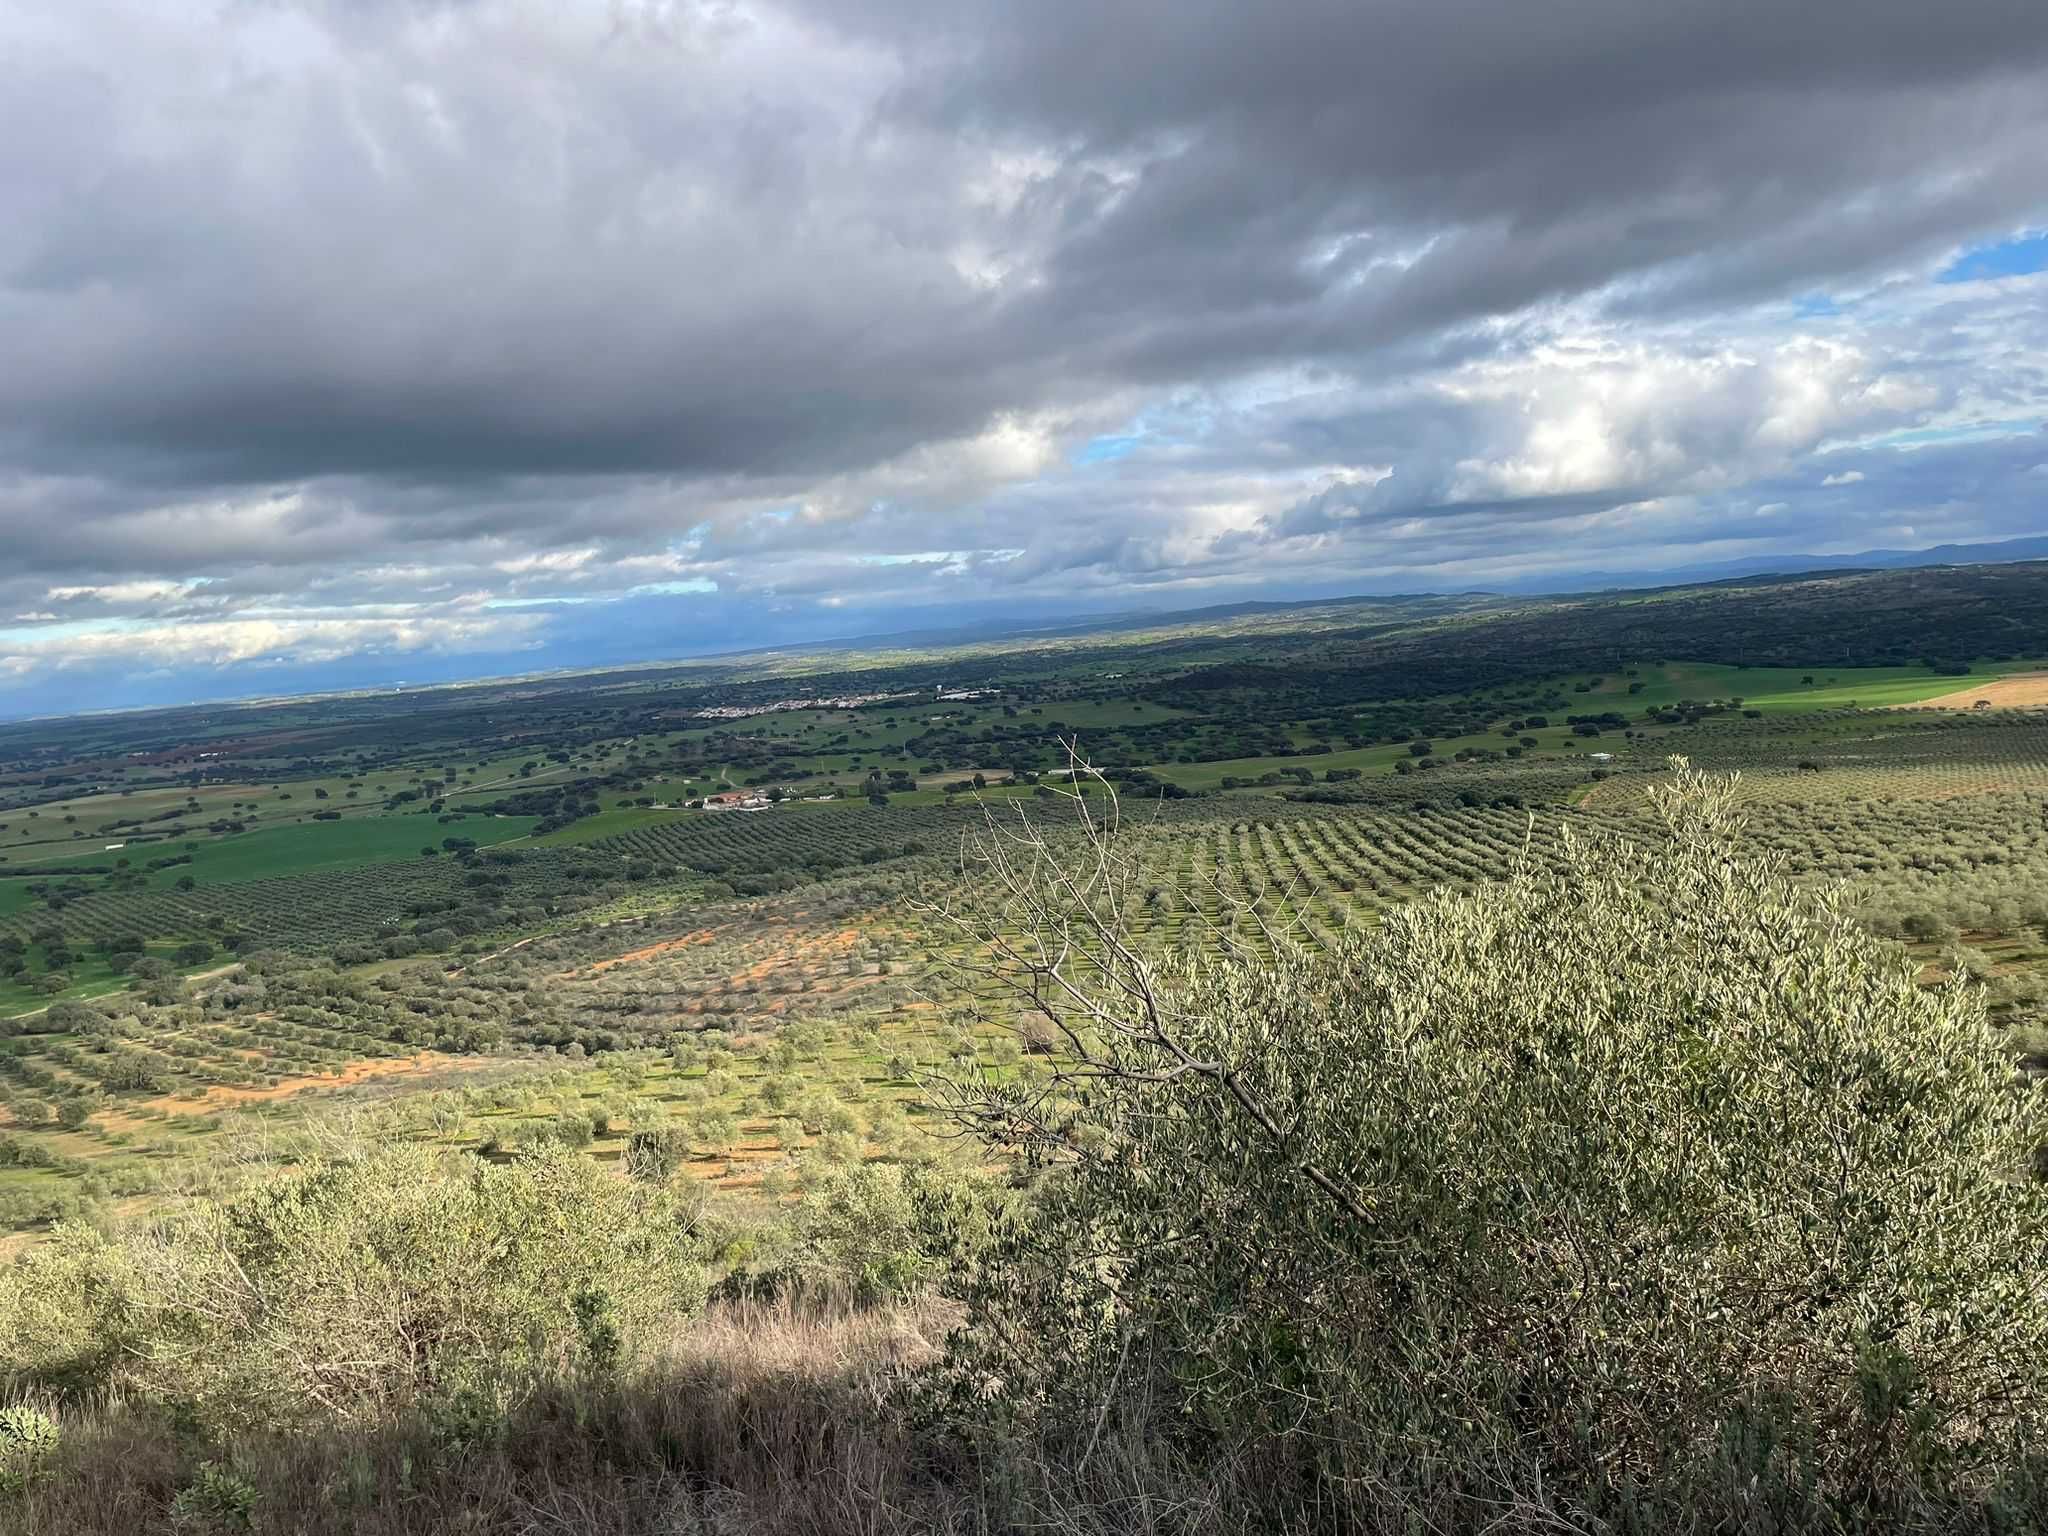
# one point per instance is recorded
(632, 638)
(1551, 584)
(2001, 552)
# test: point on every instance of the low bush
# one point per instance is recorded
(1646, 1191)
(348, 1290)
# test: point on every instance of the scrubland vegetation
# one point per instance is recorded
(1353, 1104)
(1638, 1189)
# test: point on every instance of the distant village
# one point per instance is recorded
(748, 711)
(766, 799)
(751, 800)
(844, 701)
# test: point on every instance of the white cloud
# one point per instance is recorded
(556, 562)
(120, 592)
(1610, 416)
(274, 641)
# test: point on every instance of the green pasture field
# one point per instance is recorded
(283, 848)
(48, 838)
(90, 974)
(1779, 689)
(295, 850)
(1774, 690)
(44, 834)
(605, 824)
(873, 729)
(1552, 741)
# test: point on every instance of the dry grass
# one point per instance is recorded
(758, 1419)
(2023, 690)
(765, 1418)
(783, 1419)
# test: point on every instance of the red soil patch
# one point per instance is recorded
(817, 947)
(350, 1076)
(651, 952)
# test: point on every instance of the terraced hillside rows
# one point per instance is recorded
(851, 940)
(799, 841)
(1865, 755)
(729, 955)
(791, 842)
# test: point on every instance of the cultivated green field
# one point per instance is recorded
(328, 845)
(1795, 689)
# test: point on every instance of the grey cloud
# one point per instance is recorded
(1565, 146)
(511, 243)
(432, 302)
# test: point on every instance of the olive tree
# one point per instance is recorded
(355, 1287)
(1640, 1180)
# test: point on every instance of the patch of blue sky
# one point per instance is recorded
(1108, 448)
(917, 557)
(1961, 432)
(1815, 306)
(2018, 256)
(68, 630)
(1188, 417)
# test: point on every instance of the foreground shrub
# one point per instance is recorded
(349, 1289)
(748, 1418)
(215, 1500)
(1648, 1191)
(879, 1230)
(28, 1438)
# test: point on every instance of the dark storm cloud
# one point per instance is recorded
(333, 305)
(430, 262)
(482, 242)
(1547, 149)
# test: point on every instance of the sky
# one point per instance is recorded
(345, 342)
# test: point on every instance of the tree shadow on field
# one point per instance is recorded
(761, 1417)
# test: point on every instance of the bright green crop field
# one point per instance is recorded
(318, 845)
